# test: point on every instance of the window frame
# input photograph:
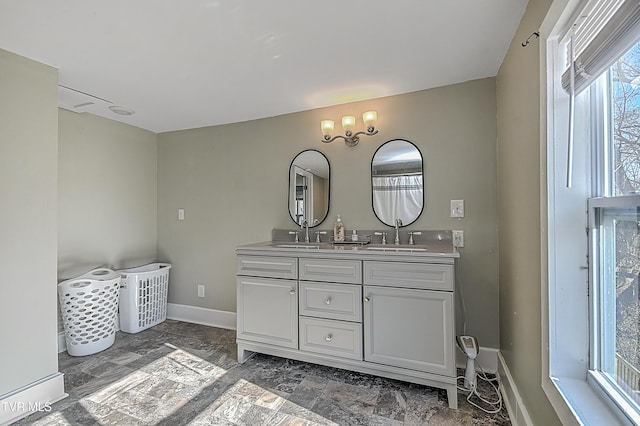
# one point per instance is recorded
(596, 377)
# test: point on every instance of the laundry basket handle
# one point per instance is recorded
(98, 272)
(77, 282)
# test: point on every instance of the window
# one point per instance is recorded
(593, 184)
(615, 223)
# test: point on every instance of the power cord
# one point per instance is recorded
(496, 405)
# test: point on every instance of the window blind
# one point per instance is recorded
(603, 32)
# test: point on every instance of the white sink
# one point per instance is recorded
(398, 249)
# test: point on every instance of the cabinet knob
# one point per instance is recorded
(292, 291)
(328, 301)
(367, 299)
(328, 338)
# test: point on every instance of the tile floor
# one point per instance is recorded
(178, 373)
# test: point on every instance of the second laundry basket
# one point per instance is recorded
(143, 296)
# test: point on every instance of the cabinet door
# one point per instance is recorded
(268, 311)
(409, 328)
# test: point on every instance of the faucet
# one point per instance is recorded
(384, 237)
(318, 233)
(296, 235)
(305, 226)
(398, 225)
(411, 234)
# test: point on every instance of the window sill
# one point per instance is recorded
(587, 404)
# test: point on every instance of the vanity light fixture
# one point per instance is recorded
(348, 125)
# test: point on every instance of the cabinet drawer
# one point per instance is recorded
(332, 301)
(267, 266)
(343, 339)
(410, 275)
(336, 271)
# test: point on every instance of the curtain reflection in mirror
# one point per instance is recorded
(394, 194)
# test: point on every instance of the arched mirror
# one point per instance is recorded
(397, 187)
(309, 182)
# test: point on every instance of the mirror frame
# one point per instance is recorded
(421, 170)
(289, 188)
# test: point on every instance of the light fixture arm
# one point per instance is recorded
(351, 139)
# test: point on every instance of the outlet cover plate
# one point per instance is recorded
(458, 238)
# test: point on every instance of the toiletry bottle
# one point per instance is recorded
(354, 236)
(338, 230)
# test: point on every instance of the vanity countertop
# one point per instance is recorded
(404, 252)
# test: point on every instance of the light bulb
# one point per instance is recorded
(327, 128)
(348, 123)
(370, 118)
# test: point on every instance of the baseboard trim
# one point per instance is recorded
(204, 316)
(487, 359)
(511, 397)
(35, 397)
(62, 342)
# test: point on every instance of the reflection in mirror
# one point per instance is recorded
(309, 178)
(397, 182)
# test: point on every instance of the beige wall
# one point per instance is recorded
(28, 174)
(107, 194)
(232, 181)
(520, 169)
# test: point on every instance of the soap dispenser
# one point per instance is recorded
(338, 230)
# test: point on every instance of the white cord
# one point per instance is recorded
(496, 405)
(464, 307)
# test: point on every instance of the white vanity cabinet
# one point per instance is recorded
(390, 315)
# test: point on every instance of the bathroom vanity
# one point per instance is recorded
(382, 310)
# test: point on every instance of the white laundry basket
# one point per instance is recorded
(143, 296)
(89, 308)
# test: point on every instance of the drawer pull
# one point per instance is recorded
(328, 338)
(328, 301)
(292, 291)
(367, 299)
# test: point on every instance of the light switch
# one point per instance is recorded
(180, 214)
(457, 208)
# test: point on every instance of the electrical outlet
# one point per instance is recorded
(180, 214)
(458, 238)
(457, 208)
(200, 291)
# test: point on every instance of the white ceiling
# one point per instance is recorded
(194, 63)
